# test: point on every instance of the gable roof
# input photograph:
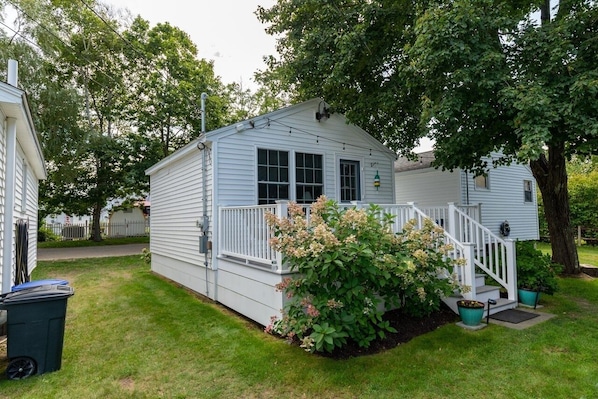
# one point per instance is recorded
(424, 160)
(271, 117)
(14, 104)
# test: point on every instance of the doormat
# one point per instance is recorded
(514, 316)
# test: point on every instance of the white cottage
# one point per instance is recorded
(505, 194)
(21, 168)
(210, 197)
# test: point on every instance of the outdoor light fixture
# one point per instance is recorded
(377, 181)
(322, 113)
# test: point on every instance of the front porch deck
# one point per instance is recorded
(244, 238)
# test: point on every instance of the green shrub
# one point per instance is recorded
(45, 234)
(535, 270)
(350, 268)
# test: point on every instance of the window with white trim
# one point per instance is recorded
(481, 182)
(309, 177)
(528, 191)
(273, 175)
(350, 180)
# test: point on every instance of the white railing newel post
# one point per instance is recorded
(511, 269)
(469, 270)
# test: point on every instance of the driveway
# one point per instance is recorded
(90, 252)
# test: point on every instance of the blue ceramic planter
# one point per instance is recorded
(471, 316)
(527, 297)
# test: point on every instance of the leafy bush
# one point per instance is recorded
(350, 268)
(45, 234)
(535, 270)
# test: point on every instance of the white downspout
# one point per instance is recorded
(204, 189)
(10, 187)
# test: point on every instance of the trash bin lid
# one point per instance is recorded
(37, 283)
(37, 294)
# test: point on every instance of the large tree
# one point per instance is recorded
(115, 96)
(477, 77)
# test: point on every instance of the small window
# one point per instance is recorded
(350, 181)
(309, 176)
(527, 191)
(273, 176)
(481, 181)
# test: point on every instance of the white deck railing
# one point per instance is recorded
(244, 236)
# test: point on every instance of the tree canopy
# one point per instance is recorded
(477, 77)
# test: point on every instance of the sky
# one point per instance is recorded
(225, 31)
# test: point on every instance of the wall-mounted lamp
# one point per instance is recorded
(377, 181)
(240, 127)
(323, 112)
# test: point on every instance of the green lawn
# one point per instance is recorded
(588, 254)
(89, 243)
(130, 334)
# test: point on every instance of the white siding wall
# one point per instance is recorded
(427, 187)
(176, 195)
(236, 174)
(250, 291)
(31, 211)
(504, 200)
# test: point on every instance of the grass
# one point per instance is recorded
(130, 334)
(588, 254)
(90, 243)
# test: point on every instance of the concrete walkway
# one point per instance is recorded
(90, 252)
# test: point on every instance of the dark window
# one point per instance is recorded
(527, 191)
(350, 182)
(272, 175)
(309, 177)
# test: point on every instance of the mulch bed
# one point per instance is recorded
(408, 327)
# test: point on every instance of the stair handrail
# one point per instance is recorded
(492, 254)
(464, 271)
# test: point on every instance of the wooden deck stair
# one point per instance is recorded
(483, 294)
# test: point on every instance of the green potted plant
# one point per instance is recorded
(471, 311)
(536, 273)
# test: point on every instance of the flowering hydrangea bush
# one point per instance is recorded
(350, 268)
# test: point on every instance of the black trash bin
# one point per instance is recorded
(37, 283)
(35, 329)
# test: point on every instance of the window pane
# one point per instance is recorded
(262, 157)
(284, 175)
(273, 157)
(299, 160)
(262, 173)
(283, 191)
(300, 176)
(273, 173)
(318, 176)
(309, 161)
(284, 158)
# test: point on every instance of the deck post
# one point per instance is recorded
(511, 269)
(282, 211)
(452, 220)
(469, 270)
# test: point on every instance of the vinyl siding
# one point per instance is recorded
(504, 200)
(427, 187)
(237, 157)
(2, 191)
(176, 195)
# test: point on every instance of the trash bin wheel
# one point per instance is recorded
(20, 367)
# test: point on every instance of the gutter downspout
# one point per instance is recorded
(204, 189)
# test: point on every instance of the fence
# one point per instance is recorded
(83, 231)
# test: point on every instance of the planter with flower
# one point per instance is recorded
(536, 273)
(471, 311)
(349, 268)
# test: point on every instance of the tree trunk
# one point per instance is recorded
(96, 231)
(551, 176)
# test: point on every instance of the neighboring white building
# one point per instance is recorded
(288, 154)
(506, 193)
(21, 168)
(128, 222)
